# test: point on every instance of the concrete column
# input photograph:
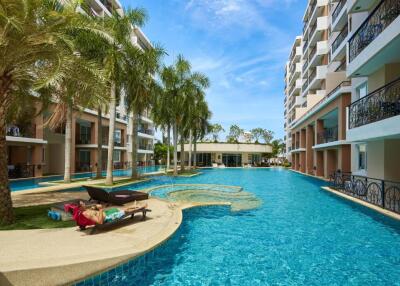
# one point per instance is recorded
(345, 158)
(319, 128)
(344, 101)
(309, 150)
(320, 163)
(302, 138)
(303, 162)
(331, 162)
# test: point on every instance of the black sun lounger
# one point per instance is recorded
(119, 221)
(115, 197)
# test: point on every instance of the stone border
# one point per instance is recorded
(363, 203)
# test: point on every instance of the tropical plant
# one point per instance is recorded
(140, 87)
(115, 54)
(201, 126)
(33, 41)
(278, 146)
(234, 134)
(215, 130)
(160, 152)
(257, 133)
(178, 83)
(267, 136)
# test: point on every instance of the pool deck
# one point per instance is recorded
(67, 255)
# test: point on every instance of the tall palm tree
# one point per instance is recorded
(120, 28)
(178, 82)
(201, 126)
(140, 87)
(32, 44)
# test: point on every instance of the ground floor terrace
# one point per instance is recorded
(319, 145)
(248, 246)
(226, 154)
(36, 150)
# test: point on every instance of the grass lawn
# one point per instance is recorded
(35, 217)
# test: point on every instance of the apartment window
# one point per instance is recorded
(362, 90)
(117, 156)
(117, 136)
(84, 157)
(85, 134)
(362, 157)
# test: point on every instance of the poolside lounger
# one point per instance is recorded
(120, 221)
(115, 197)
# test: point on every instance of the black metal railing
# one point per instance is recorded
(28, 131)
(339, 39)
(312, 30)
(381, 104)
(313, 52)
(305, 85)
(328, 135)
(305, 66)
(305, 45)
(382, 193)
(341, 67)
(380, 18)
(21, 171)
(312, 75)
(83, 167)
(146, 131)
(337, 10)
(146, 147)
(83, 140)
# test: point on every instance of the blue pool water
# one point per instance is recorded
(24, 184)
(301, 235)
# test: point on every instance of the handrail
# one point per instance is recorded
(391, 10)
(337, 10)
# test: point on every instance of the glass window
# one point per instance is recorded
(362, 90)
(117, 136)
(362, 157)
(117, 156)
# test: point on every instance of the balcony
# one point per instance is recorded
(328, 135)
(339, 40)
(381, 104)
(313, 52)
(148, 147)
(83, 140)
(379, 19)
(305, 85)
(312, 75)
(146, 131)
(25, 131)
(337, 10)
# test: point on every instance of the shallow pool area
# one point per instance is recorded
(33, 183)
(300, 235)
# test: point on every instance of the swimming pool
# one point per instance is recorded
(301, 235)
(24, 184)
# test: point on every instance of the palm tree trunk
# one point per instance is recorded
(175, 139)
(68, 145)
(99, 144)
(182, 155)
(168, 147)
(111, 131)
(194, 153)
(134, 144)
(190, 150)
(6, 208)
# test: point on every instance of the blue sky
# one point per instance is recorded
(242, 45)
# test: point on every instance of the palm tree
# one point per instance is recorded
(32, 45)
(120, 29)
(215, 130)
(140, 87)
(201, 126)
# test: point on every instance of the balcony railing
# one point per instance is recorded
(381, 104)
(339, 39)
(28, 131)
(312, 75)
(83, 140)
(146, 131)
(341, 67)
(305, 65)
(313, 52)
(328, 135)
(21, 171)
(117, 143)
(312, 30)
(382, 193)
(305, 85)
(337, 10)
(146, 147)
(305, 44)
(291, 89)
(380, 18)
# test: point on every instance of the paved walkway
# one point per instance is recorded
(60, 256)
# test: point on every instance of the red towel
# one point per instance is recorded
(77, 215)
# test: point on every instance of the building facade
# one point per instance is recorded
(349, 115)
(35, 150)
(227, 154)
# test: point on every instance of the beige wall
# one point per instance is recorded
(229, 148)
